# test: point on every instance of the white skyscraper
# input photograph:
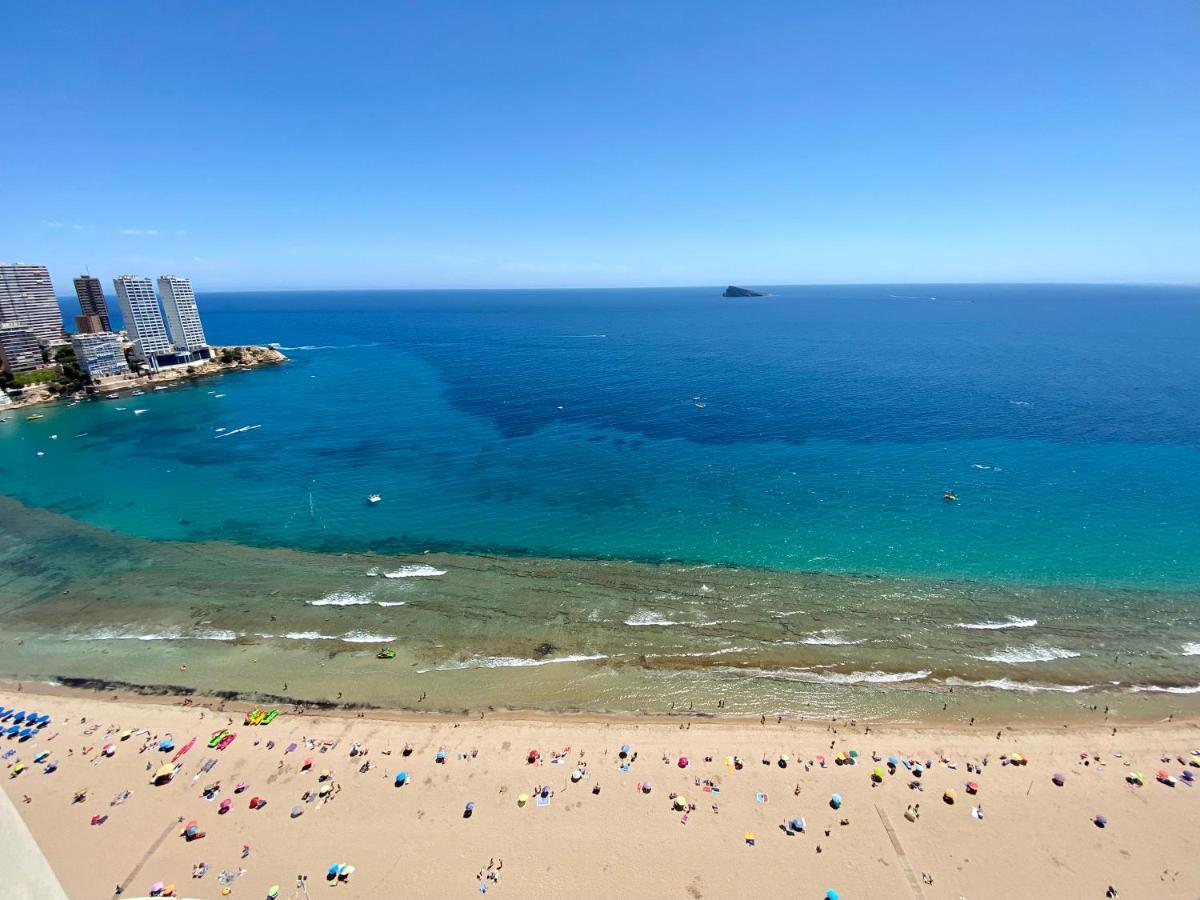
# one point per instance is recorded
(143, 319)
(183, 317)
(27, 297)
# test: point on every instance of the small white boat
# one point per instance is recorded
(35, 417)
(138, 412)
(137, 394)
(373, 499)
(112, 396)
(163, 387)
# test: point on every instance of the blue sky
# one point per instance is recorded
(272, 145)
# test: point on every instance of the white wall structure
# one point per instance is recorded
(183, 317)
(99, 354)
(27, 297)
(143, 318)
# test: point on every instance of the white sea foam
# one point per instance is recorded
(811, 677)
(830, 638)
(1028, 687)
(418, 571)
(1010, 622)
(343, 598)
(309, 636)
(167, 634)
(366, 637)
(649, 618)
(1192, 649)
(697, 654)
(392, 602)
(1165, 689)
(507, 662)
(1031, 654)
(327, 346)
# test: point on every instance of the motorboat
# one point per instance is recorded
(373, 499)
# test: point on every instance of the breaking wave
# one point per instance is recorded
(343, 598)
(808, 676)
(1010, 622)
(1028, 687)
(366, 637)
(650, 618)
(1192, 649)
(1028, 654)
(507, 662)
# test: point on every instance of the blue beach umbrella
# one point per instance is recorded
(12, 731)
(836, 801)
(624, 751)
(19, 717)
(831, 894)
(401, 778)
(893, 761)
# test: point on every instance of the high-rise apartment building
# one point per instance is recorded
(100, 354)
(143, 319)
(19, 348)
(91, 299)
(27, 298)
(183, 317)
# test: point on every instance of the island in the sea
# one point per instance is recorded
(734, 291)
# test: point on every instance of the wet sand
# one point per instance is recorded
(1035, 839)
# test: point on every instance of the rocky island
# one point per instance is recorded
(735, 291)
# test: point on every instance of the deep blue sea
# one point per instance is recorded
(815, 429)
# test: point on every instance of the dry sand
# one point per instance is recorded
(1034, 840)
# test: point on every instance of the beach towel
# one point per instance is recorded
(761, 797)
(543, 801)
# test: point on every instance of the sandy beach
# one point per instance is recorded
(600, 833)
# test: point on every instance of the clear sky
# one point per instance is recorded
(393, 144)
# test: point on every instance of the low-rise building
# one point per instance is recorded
(99, 354)
(19, 348)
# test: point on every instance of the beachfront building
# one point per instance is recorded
(144, 321)
(27, 298)
(91, 300)
(19, 348)
(183, 318)
(100, 355)
(89, 325)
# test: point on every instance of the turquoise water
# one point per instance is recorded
(630, 499)
(828, 423)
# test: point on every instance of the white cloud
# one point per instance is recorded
(140, 231)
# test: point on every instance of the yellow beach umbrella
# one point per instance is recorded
(165, 771)
(522, 800)
(681, 802)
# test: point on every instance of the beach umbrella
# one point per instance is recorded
(470, 810)
(126, 734)
(972, 787)
(1017, 759)
(1101, 821)
(893, 761)
(683, 762)
(157, 887)
(577, 775)
(522, 800)
(836, 801)
(877, 774)
(854, 754)
(225, 805)
(297, 811)
(273, 892)
(749, 838)
(325, 789)
(1187, 775)
(164, 773)
(680, 802)
(840, 758)
(307, 765)
(950, 796)
(1059, 778)
(324, 774)
(255, 802)
(332, 871)
(797, 825)
(533, 756)
(1196, 759)
(624, 751)
(440, 757)
(784, 760)
(645, 787)
(401, 779)
(831, 894)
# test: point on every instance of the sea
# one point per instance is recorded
(650, 500)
